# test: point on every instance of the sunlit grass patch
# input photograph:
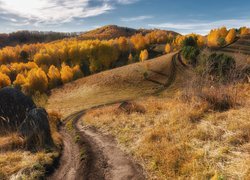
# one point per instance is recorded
(180, 137)
(21, 164)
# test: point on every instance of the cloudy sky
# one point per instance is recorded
(184, 16)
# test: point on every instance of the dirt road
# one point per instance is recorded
(69, 162)
(107, 161)
(103, 159)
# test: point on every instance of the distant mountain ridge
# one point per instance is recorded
(30, 37)
(114, 31)
(102, 33)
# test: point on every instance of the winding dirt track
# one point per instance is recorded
(70, 166)
(69, 162)
(103, 159)
(107, 161)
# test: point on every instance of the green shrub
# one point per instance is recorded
(190, 50)
(220, 67)
(190, 53)
(222, 42)
(190, 41)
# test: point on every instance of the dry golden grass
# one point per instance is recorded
(55, 122)
(16, 163)
(13, 141)
(10, 142)
(24, 165)
(181, 135)
(119, 84)
(184, 139)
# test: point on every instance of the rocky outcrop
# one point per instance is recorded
(13, 108)
(36, 130)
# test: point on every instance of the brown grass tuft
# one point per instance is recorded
(130, 107)
(55, 122)
(10, 142)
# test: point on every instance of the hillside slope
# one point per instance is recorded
(119, 84)
(242, 45)
(109, 87)
(167, 126)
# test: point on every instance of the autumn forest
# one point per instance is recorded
(43, 66)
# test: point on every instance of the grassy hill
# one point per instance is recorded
(119, 84)
(181, 133)
(178, 125)
(113, 31)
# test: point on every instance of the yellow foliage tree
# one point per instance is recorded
(223, 32)
(201, 41)
(179, 40)
(77, 73)
(20, 80)
(231, 36)
(31, 65)
(106, 55)
(9, 54)
(4, 80)
(144, 55)
(213, 38)
(157, 37)
(5, 69)
(168, 48)
(54, 76)
(42, 59)
(138, 41)
(36, 81)
(123, 44)
(130, 58)
(244, 30)
(66, 74)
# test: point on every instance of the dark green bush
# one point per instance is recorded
(190, 41)
(219, 66)
(190, 50)
(190, 53)
(222, 42)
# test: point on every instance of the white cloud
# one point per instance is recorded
(56, 11)
(202, 27)
(47, 11)
(138, 18)
(126, 1)
(9, 19)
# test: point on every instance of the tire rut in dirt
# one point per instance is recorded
(71, 167)
(69, 164)
(105, 160)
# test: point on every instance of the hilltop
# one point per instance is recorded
(102, 33)
(114, 31)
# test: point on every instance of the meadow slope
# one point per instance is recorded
(118, 85)
(171, 132)
(115, 85)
